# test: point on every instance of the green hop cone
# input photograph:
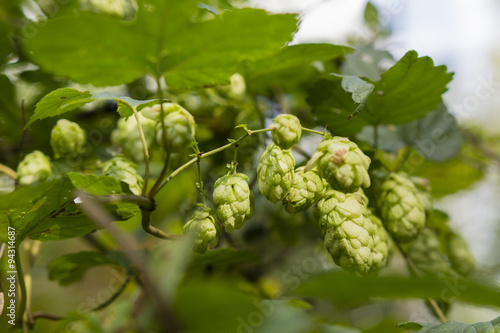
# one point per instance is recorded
(286, 131)
(307, 188)
(380, 243)
(154, 112)
(425, 253)
(179, 128)
(400, 207)
(201, 226)
(66, 138)
(233, 200)
(34, 168)
(123, 170)
(127, 135)
(460, 258)
(347, 231)
(275, 173)
(424, 187)
(342, 164)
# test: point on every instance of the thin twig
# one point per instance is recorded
(145, 150)
(45, 315)
(8, 171)
(129, 246)
(413, 269)
(146, 225)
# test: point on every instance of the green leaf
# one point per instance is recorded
(437, 137)
(371, 16)
(223, 258)
(55, 215)
(70, 268)
(91, 48)
(198, 306)
(359, 89)
(408, 90)
(454, 327)
(411, 326)
(273, 70)
(346, 289)
(64, 100)
(366, 62)
(23, 195)
(207, 53)
(58, 102)
(333, 105)
(187, 53)
(447, 177)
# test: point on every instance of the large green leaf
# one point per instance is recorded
(64, 100)
(366, 62)
(333, 106)
(408, 90)
(56, 216)
(447, 177)
(454, 327)
(273, 70)
(70, 268)
(208, 52)
(437, 136)
(97, 49)
(347, 289)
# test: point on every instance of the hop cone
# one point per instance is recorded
(286, 130)
(307, 188)
(125, 171)
(127, 135)
(67, 137)
(424, 193)
(342, 164)
(400, 207)
(154, 112)
(34, 168)
(347, 231)
(461, 259)
(380, 243)
(201, 226)
(275, 173)
(179, 129)
(425, 253)
(233, 200)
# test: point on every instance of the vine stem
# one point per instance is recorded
(129, 246)
(32, 248)
(8, 171)
(145, 149)
(312, 131)
(413, 269)
(203, 155)
(22, 286)
(406, 154)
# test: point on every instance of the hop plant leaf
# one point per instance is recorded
(67, 137)
(460, 258)
(127, 135)
(123, 170)
(400, 207)
(286, 131)
(202, 228)
(307, 188)
(347, 231)
(275, 173)
(342, 164)
(34, 168)
(233, 200)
